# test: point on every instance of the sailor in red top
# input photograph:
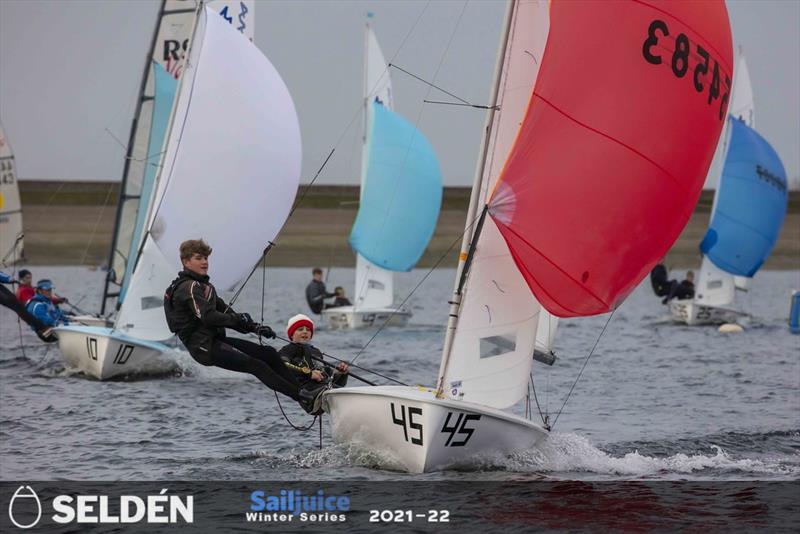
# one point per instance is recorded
(26, 291)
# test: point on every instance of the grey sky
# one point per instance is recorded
(70, 69)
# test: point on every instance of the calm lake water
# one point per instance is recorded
(657, 401)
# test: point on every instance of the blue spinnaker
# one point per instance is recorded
(750, 206)
(402, 194)
(165, 88)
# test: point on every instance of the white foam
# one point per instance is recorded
(570, 453)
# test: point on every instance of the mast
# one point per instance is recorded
(128, 155)
(472, 211)
(155, 199)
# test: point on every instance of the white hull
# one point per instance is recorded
(420, 433)
(104, 353)
(89, 320)
(693, 314)
(349, 317)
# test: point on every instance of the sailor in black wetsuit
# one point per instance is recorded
(316, 292)
(662, 287)
(200, 317)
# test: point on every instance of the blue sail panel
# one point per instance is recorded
(750, 206)
(402, 194)
(165, 88)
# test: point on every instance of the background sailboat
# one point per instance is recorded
(227, 85)
(538, 233)
(401, 193)
(11, 243)
(746, 217)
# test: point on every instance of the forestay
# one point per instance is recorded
(490, 359)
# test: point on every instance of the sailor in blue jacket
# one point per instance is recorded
(41, 305)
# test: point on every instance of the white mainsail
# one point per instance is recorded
(209, 187)
(11, 249)
(489, 356)
(374, 285)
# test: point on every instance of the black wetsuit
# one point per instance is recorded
(200, 317)
(662, 287)
(684, 290)
(300, 359)
(316, 295)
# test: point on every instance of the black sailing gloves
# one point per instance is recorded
(247, 326)
(264, 331)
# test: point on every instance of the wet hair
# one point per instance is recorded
(316, 270)
(23, 273)
(194, 246)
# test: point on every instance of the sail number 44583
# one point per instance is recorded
(455, 425)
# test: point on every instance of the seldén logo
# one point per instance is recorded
(24, 499)
(92, 509)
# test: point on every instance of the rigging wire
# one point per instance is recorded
(545, 418)
(260, 342)
(584, 366)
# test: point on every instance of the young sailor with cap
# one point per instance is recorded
(305, 361)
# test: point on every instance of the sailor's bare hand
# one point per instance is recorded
(316, 375)
(342, 367)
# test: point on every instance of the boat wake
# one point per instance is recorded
(565, 454)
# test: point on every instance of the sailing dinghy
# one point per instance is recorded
(578, 194)
(227, 85)
(746, 216)
(401, 193)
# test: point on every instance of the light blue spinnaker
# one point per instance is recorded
(751, 204)
(165, 88)
(401, 195)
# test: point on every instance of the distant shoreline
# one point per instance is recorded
(71, 223)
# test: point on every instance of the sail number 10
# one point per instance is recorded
(658, 33)
(456, 427)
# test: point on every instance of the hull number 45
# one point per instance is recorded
(456, 426)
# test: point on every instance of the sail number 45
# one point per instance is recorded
(453, 425)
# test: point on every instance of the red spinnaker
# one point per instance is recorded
(615, 145)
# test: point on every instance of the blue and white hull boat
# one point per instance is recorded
(104, 353)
